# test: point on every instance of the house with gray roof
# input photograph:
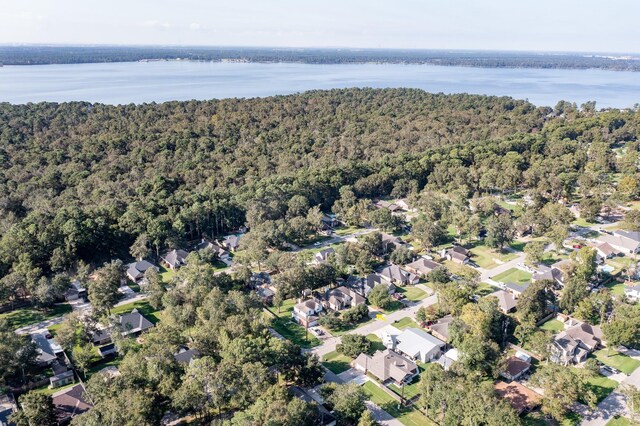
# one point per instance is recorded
(388, 366)
(398, 276)
(372, 281)
(573, 345)
(516, 289)
(623, 241)
(174, 259)
(506, 302)
(323, 255)
(420, 345)
(136, 270)
(48, 349)
(422, 266)
(231, 242)
(134, 323)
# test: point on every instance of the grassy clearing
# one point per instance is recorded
(26, 316)
(617, 360)
(142, 306)
(336, 362)
(489, 258)
(405, 322)
(376, 343)
(167, 275)
(414, 294)
(406, 415)
(552, 325)
(513, 275)
(601, 387)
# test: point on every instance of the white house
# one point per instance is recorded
(306, 313)
(388, 336)
(633, 293)
(420, 345)
(622, 241)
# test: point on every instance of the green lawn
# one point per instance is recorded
(294, 332)
(167, 274)
(347, 230)
(485, 289)
(619, 421)
(405, 322)
(461, 270)
(409, 416)
(142, 306)
(410, 390)
(617, 289)
(376, 343)
(27, 316)
(45, 389)
(513, 275)
(488, 258)
(617, 360)
(336, 362)
(601, 386)
(582, 222)
(133, 286)
(552, 325)
(414, 294)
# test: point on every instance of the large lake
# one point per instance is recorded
(121, 83)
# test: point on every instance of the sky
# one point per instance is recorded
(543, 25)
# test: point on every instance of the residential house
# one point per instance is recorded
(623, 241)
(521, 398)
(136, 270)
(266, 293)
(328, 222)
(306, 313)
(389, 205)
(516, 289)
(75, 291)
(457, 254)
(70, 402)
(134, 323)
(185, 355)
(216, 248)
(231, 242)
(323, 255)
(606, 251)
(7, 408)
(107, 350)
(387, 366)
(506, 302)
(633, 292)
(174, 259)
(48, 349)
(515, 368)
(573, 345)
(390, 243)
(371, 281)
(420, 345)
(62, 378)
(440, 328)
(324, 416)
(447, 359)
(398, 276)
(421, 267)
(341, 298)
(403, 204)
(551, 273)
(388, 336)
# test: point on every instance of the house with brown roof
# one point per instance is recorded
(70, 402)
(457, 254)
(521, 398)
(387, 366)
(421, 267)
(372, 281)
(606, 251)
(515, 368)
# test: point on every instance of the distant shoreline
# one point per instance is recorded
(49, 55)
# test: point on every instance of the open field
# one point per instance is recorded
(488, 258)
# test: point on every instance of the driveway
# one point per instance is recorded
(382, 416)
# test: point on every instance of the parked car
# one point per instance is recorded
(577, 246)
(398, 296)
(316, 331)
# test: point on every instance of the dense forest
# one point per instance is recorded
(38, 55)
(82, 181)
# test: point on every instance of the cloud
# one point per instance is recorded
(195, 26)
(156, 24)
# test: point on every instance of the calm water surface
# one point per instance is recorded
(137, 82)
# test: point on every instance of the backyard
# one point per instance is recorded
(27, 316)
(513, 275)
(409, 416)
(619, 421)
(617, 360)
(552, 325)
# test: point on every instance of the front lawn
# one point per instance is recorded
(414, 294)
(617, 289)
(405, 322)
(336, 362)
(294, 332)
(27, 316)
(513, 275)
(462, 271)
(142, 306)
(485, 289)
(167, 275)
(409, 416)
(601, 387)
(552, 325)
(617, 360)
(376, 343)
